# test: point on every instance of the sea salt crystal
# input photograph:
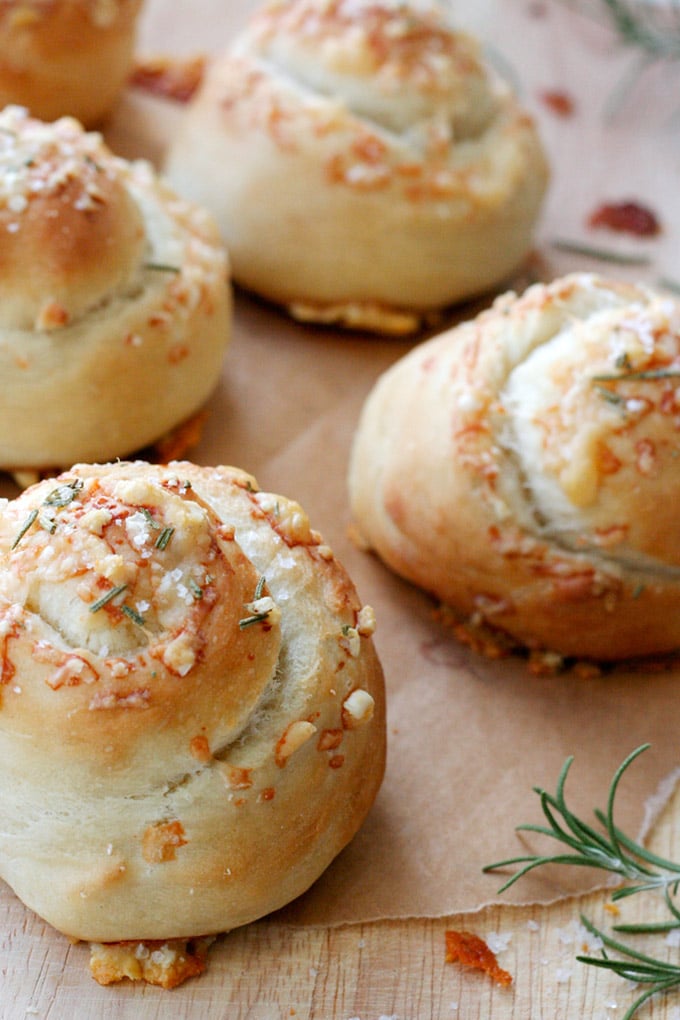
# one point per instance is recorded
(498, 943)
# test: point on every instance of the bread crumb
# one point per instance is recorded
(164, 963)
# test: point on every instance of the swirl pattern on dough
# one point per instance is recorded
(524, 468)
(375, 169)
(192, 708)
(115, 302)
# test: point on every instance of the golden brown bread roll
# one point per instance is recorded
(371, 169)
(524, 468)
(66, 57)
(192, 706)
(115, 302)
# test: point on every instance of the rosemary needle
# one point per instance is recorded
(649, 373)
(107, 597)
(256, 617)
(24, 528)
(601, 254)
(161, 267)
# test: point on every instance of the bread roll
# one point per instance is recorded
(364, 166)
(115, 303)
(66, 57)
(524, 468)
(192, 707)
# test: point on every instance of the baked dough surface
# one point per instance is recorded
(192, 713)
(115, 300)
(524, 468)
(376, 170)
(66, 57)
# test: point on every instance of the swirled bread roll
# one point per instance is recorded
(371, 169)
(66, 57)
(524, 468)
(192, 706)
(115, 302)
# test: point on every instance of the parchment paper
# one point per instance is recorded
(468, 737)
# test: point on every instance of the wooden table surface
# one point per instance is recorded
(385, 969)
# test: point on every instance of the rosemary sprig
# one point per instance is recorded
(639, 968)
(610, 850)
(651, 31)
(648, 31)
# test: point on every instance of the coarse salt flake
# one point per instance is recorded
(498, 942)
(17, 203)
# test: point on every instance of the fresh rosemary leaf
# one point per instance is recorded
(658, 928)
(591, 848)
(639, 968)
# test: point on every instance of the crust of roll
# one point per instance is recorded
(524, 468)
(66, 57)
(115, 300)
(192, 706)
(390, 173)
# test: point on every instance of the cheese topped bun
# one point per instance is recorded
(192, 706)
(115, 303)
(524, 468)
(66, 57)
(363, 163)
